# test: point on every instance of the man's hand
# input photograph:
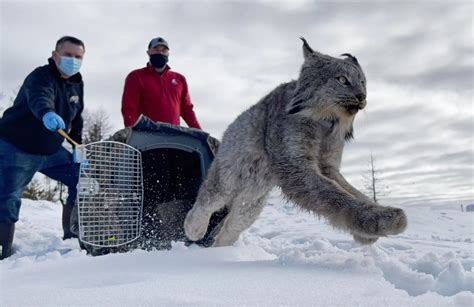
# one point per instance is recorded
(53, 121)
(79, 156)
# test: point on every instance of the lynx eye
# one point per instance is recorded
(342, 80)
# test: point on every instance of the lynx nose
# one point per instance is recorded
(361, 97)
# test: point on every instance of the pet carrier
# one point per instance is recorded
(139, 185)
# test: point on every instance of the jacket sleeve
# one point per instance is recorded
(131, 100)
(40, 94)
(187, 112)
(77, 125)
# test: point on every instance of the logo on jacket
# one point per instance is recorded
(74, 99)
(174, 82)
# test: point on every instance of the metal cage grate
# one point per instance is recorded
(110, 194)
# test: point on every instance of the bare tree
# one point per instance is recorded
(3, 104)
(373, 182)
(13, 96)
(96, 126)
(2, 96)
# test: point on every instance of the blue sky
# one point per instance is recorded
(417, 56)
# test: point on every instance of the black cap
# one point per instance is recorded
(157, 42)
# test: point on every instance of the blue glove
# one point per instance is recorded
(53, 121)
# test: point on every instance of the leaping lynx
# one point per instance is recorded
(294, 138)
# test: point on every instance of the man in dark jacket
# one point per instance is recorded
(157, 92)
(50, 98)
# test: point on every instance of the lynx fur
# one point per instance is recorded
(293, 138)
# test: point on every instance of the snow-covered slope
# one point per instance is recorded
(287, 258)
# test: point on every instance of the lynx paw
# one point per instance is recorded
(195, 224)
(376, 221)
(364, 240)
(224, 236)
(225, 240)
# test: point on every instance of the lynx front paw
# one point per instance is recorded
(195, 224)
(364, 240)
(377, 221)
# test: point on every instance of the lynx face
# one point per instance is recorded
(329, 88)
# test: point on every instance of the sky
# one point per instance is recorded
(417, 57)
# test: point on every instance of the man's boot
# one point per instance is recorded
(6, 239)
(66, 219)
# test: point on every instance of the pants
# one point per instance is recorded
(17, 168)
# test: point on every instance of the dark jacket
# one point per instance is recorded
(44, 91)
(160, 97)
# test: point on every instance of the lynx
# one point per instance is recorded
(294, 138)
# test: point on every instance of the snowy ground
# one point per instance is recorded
(287, 258)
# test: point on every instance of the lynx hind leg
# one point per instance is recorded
(367, 223)
(211, 198)
(241, 216)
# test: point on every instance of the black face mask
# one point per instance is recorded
(158, 60)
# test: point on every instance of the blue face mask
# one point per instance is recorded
(69, 66)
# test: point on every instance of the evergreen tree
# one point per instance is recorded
(51, 189)
(34, 190)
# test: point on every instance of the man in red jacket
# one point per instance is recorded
(157, 92)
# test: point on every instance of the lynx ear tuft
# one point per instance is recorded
(311, 55)
(306, 45)
(351, 58)
(307, 50)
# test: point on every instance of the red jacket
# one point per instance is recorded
(161, 97)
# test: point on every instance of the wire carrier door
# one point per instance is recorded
(110, 194)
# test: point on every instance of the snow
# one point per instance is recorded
(287, 258)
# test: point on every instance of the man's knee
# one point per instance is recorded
(71, 177)
(9, 210)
